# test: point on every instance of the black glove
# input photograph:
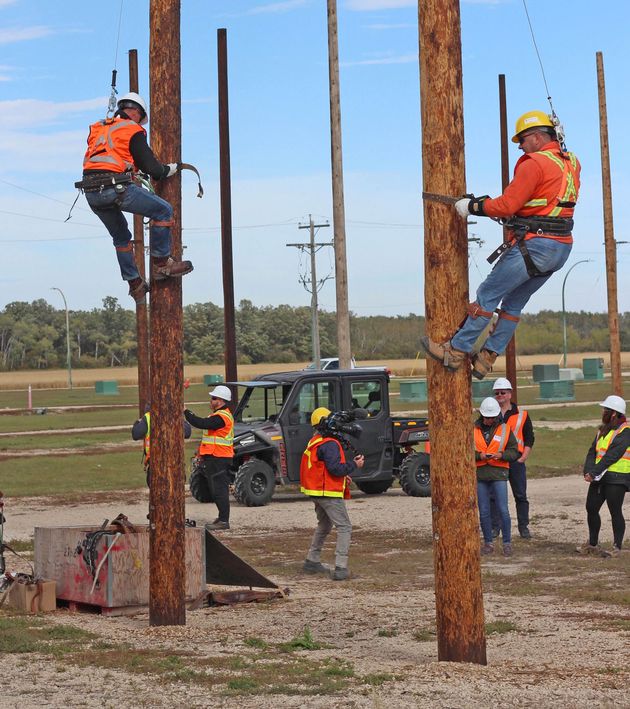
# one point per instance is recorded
(475, 206)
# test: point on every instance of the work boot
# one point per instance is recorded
(524, 532)
(483, 363)
(314, 567)
(340, 573)
(217, 525)
(167, 267)
(138, 288)
(486, 549)
(443, 352)
(507, 549)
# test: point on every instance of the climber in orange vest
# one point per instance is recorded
(537, 208)
(117, 150)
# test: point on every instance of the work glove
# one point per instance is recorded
(461, 207)
(172, 169)
(475, 206)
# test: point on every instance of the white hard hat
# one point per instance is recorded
(489, 407)
(134, 100)
(616, 403)
(221, 392)
(502, 383)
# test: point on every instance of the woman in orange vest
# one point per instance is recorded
(216, 451)
(117, 149)
(495, 448)
(538, 208)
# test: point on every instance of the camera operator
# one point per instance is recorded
(324, 477)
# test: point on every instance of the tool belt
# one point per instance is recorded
(100, 180)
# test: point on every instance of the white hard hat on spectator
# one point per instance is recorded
(489, 407)
(616, 403)
(221, 392)
(502, 383)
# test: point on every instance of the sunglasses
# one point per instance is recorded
(502, 393)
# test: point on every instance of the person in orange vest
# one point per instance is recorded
(117, 150)
(141, 431)
(216, 451)
(607, 470)
(324, 477)
(521, 426)
(495, 448)
(537, 208)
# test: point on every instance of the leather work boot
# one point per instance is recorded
(167, 267)
(443, 352)
(138, 288)
(487, 549)
(340, 573)
(524, 532)
(483, 363)
(507, 549)
(217, 525)
(314, 567)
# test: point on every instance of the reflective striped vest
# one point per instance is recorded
(516, 423)
(497, 444)
(108, 145)
(603, 443)
(315, 479)
(220, 442)
(147, 437)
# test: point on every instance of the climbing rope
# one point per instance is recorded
(111, 106)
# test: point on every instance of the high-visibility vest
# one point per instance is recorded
(603, 444)
(497, 444)
(315, 479)
(108, 145)
(516, 423)
(147, 437)
(219, 442)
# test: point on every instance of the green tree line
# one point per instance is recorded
(33, 335)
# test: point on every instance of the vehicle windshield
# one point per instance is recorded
(258, 404)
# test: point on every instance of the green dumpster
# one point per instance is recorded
(545, 372)
(212, 379)
(106, 387)
(557, 390)
(593, 367)
(413, 390)
(482, 389)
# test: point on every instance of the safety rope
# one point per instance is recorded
(112, 104)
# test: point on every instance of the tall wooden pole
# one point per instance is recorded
(229, 318)
(510, 352)
(142, 318)
(609, 234)
(339, 217)
(166, 503)
(458, 594)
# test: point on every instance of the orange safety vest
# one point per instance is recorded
(516, 423)
(108, 145)
(497, 444)
(315, 479)
(147, 437)
(219, 442)
(549, 195)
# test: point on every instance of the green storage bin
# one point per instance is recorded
(557, 390)
(106, 387)
(212, 379)
(482, 389)
(545, 372)
(593, 367)
(413, 390)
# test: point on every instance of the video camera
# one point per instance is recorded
(342, 423)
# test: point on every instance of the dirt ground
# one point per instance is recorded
(559, 650)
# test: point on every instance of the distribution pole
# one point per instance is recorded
(458, 593)
(142, 319)
(313, 248)
(166, 502)
(339, 218)
(510, 352)
(229, 318)
(609, 234)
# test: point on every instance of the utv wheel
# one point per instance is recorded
(415, 475)
(374, 487)
(199, 487)
(254, 483)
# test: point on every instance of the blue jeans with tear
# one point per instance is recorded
(109, 205)
(510, 285)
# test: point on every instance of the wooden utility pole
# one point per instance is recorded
(166, 501)
(510, 352)
(609, 234)
(458, 594)
(229, 317)
(142, 317)
(339, 217)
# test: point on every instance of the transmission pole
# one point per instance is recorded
(313, 248)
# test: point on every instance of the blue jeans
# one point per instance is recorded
(518, 483)
(510, 285)
(499, 489)
(109, 205)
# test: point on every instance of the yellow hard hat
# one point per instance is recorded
(532, 119)
(320, 413)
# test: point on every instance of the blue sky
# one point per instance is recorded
(55, 70)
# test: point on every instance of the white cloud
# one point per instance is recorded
(4, 3)
(32, 112)
(370, 5)
(21, 34)
(284, 6)
(401, 59)
(5, 72)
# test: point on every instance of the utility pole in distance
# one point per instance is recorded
(313, 248)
